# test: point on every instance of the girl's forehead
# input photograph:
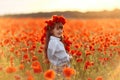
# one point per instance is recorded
(59, 24)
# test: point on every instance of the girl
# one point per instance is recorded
(54, 48)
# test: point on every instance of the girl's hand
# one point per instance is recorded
(70, 57)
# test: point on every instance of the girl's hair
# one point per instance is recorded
(50, 26)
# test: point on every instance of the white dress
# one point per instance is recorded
(56, 52)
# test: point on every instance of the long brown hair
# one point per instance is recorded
(48, 34)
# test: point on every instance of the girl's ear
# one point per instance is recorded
(51, 32)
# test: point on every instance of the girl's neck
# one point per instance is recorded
(54, 37)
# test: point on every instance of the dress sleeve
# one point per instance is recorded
(61, 52)
(52, 47)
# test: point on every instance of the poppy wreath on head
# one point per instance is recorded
(55, 19)
(50, 23)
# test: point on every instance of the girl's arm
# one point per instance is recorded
(52, 47)
(51, 51)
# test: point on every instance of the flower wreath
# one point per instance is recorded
(55, 19)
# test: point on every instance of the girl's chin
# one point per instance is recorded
(59, 36)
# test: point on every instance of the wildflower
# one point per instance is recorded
(1, 68)
(89, 79)
(87, 52)
(26, 56)
(6, 41)
(68, 72)
(78, 53)
(36, 67)
(34, 58)
(17, 77)
(21, 66)
(99, 78)
(79, 59)
(88, 64)
(10, 69)
(11, 49)
(49, 75)
(30, 77)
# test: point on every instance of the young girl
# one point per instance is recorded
(54, 48)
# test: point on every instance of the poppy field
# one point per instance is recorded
(93, 43)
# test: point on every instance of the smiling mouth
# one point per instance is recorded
(59, 33)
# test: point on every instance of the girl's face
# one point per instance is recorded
(58, 30)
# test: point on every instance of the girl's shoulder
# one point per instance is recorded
(53, 43)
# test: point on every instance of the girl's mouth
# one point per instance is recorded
(59, 33)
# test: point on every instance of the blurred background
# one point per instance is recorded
(68, 8)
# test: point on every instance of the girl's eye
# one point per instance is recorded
(60, 27)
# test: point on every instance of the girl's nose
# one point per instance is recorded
(61, 30)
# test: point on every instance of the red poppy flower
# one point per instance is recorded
(34, 58)
(30, 77)
(99, 78)
(10, 69)
(21, 66)
(89, 79)
(68, 72)
(57, 19)
(50, 23)
(79, 59)
(88, 64)
(49, 75)
(26, 57)
(17, 77)
(36, 67)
